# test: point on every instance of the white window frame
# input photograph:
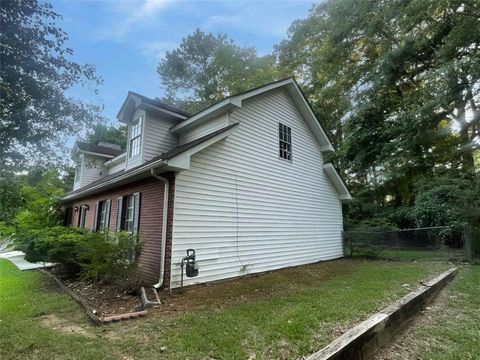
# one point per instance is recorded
(82, 217)
(135, 137)
(129, 213)
(285, 142)
(102, 225)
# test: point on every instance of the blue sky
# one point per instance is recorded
(127, 39)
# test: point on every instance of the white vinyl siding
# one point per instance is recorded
(157, 136)
(204, 129)
(244, 211)
(116, 167)
(77, 183)
(92, 169)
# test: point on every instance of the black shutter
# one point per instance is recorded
(136, 212)
(119, 214)
(108, 204)
(95, 217)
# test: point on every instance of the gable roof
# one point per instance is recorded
(158, 161)
(158, 103)
(97, 149)
(235, 101)
(134, 100)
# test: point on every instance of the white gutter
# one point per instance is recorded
(164, 226)
(96, 154)
(115, 159)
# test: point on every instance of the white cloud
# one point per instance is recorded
(215, 21)
(131, 14)
(155, 50)
(269, 18)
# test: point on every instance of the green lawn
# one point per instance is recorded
(451, 328)
(282, 314)
(414, 255)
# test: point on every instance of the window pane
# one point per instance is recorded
(285, 141)
(135, 136)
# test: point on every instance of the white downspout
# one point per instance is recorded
(164, 227)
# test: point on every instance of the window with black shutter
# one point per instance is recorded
(82, 216)
(103, 215)
(129, 213)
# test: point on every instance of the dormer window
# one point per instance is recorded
(135, 137)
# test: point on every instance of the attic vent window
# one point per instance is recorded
(285, 141)
(135, 137)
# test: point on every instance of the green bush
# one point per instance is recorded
(6, 230)
(109, 256)
(82, 254)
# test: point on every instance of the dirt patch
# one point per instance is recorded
(103, 299)
(52, 321)
(400, 345)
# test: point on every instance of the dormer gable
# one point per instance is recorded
(90, 161)
(149, 122)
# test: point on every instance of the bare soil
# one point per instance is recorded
(399, 347)
(103, 299)
(52, 321)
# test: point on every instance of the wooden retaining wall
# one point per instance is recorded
(361, 342)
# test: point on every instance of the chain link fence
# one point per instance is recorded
(433, 243)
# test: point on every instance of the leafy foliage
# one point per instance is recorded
(36, 71)
(397, 84)
(111, 134)
(80, 253)
(205, 68)
(31, 197)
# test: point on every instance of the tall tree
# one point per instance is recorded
(111, 134)
(36, 70)
(205, 68)
(400, 80)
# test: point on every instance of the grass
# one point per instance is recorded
(283, 314)
(25, 298)
(422, 254)
(451, 328)
(412, 255)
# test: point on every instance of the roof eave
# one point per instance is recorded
(182, 161)
(114, 182)
(337, 182)
(236, 102)
(139, 101)
(209, 113)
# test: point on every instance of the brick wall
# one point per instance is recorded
(150, 221)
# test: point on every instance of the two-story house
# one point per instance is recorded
(241, 182)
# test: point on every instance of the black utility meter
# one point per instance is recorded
(191, 266)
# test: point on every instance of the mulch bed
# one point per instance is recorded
(103, 299)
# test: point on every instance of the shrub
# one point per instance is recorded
(6, 230)
(82, 254)
(109, 257)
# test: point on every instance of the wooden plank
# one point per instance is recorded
(362, 341)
